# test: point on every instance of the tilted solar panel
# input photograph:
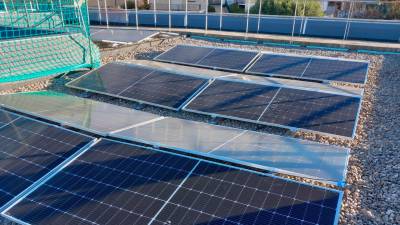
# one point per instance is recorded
(327, 113)
(283, 65)
(209, 57)
(337, 70)
(82, 113)
(6, 117)
(184, 54)
(141, 83)
(164, 89)
(326, 163)
(279, 106)
(119, 35)
(111, 78)
(31, 149)
(228, 59)
(311, 68)
(116, 183)
(234, 99)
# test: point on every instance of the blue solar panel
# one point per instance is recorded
(233, 99)
(337, 70)
(209, 57)
(165, 89)
(111, 78)
(235, 60)
(31, 149)
(316, 111)
(6, 118)
(184, 54)
(280, 65)
(116, 183)
(140, 83)
(290, 108)
(311, 68)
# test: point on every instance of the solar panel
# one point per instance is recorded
(120, 35)
(289, 108)
(180, 134)
(111, 78)
(184, 54)
(164, 89)
(220, 195)
(338, 70)
(257, 150)
(116, 183)
(98, 117)
(229, 59)
(209, 57)
(279, 65)
(141, 83)
(316, 111)
(311, 68)
(233, 99)
(30, 150)
(6, 118)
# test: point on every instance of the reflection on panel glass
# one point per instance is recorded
(288, 154)
(82, 113)
(181, 134)
(265, 151)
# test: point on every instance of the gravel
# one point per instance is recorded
(372, 195)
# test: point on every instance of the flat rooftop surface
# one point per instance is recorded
(372, 195)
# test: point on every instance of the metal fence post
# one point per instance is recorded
(99, 9)
(220, 16)
(126, 13)
(136, 15)
(259, 16)
(294, 21)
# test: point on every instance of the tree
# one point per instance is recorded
(287, 7)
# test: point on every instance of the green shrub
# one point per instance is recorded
(235, 8)
(287, 7)
(211, 8)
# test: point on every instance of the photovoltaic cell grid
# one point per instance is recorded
(209, 57)
(290, 108)
(115, 183)
(316, 111)
(31, 149)
(311, 68)
(6, 118)
(234, 99)
(142, 84)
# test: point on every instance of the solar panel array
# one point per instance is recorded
(286, 107)
(116, 183)
(260, 150)
(31, 149)
(314, 68)
(271, 64)
(209, 57)
(140, 83)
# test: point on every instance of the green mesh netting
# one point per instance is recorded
(44, 37)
